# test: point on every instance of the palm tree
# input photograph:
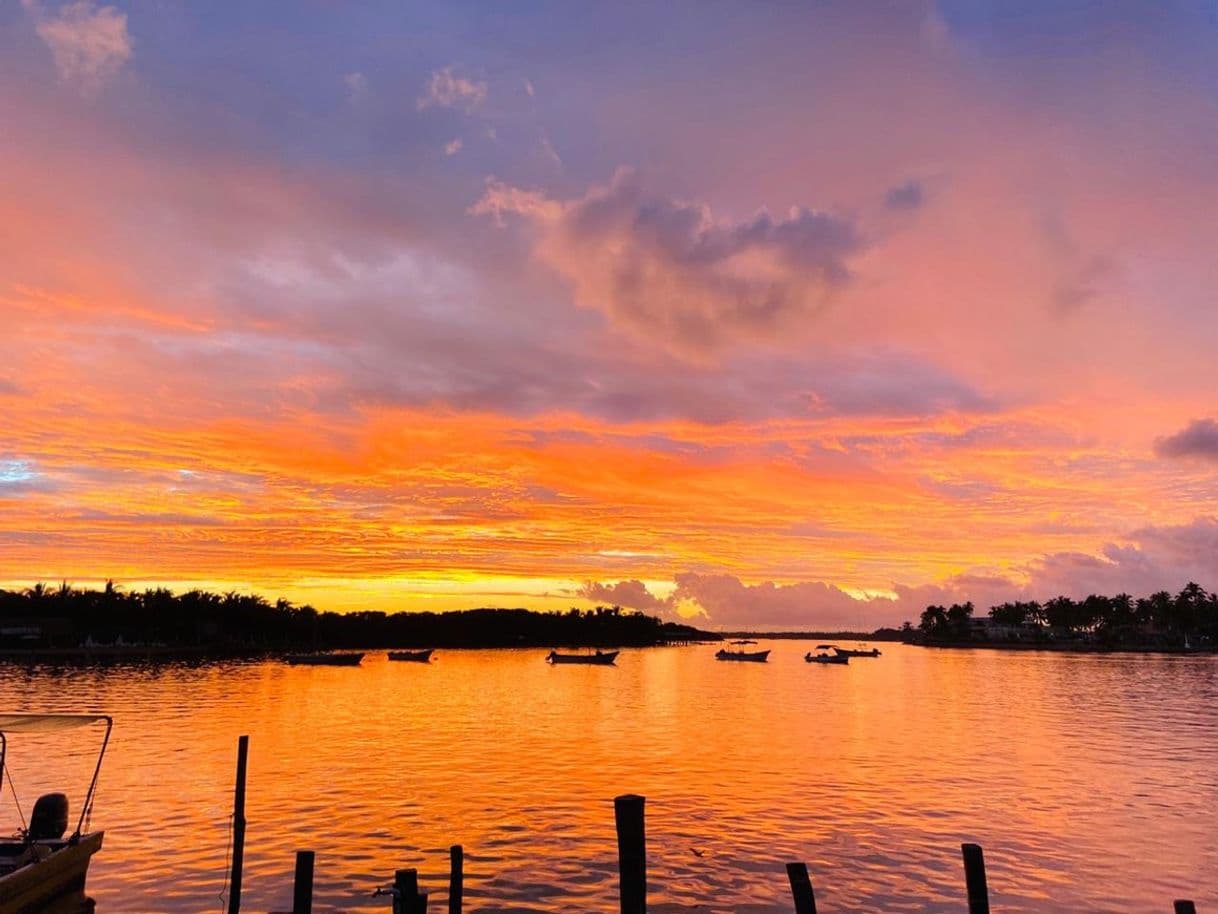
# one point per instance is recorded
(1009, 613)
(958, 616)
(1094, 612)
(1121, 613)
(1161, 609)
(1060, 612)
(1188, 607)
(934, 620)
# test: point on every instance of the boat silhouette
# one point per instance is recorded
(411, 656)
(747, 656)
(605, 658)
(827, 653)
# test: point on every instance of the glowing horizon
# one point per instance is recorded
(804, 319)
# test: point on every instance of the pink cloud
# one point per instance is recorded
(446, 89)
(672, 273)
(631, 594)
(1155, 558)
(729, 602)
(89, 43)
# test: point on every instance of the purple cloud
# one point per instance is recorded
(1154, 559)
(1198, 439)
(670, 272)
(907, 196)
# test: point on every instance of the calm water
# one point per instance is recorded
(1090, 781)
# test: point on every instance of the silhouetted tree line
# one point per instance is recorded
(1161, 618)
(65, 616)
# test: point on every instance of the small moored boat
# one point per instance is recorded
(42, 871)
(411, 656)
(324, 659)
(748, 656)
(600, 658)
(854, 652)
(827, 653)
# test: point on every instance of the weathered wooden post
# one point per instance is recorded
(1184, 906)
(456, 878)
(801, 888)
(234, 878)
(406, 897)
(302, 884)
(631, 853)
(974, 878)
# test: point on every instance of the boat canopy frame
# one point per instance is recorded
(43, 723)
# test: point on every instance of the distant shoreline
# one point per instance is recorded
(1069, 648)
(63, 623)
(883, 634)
(169, 653)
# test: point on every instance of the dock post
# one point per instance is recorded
(974, 878)
(801, 888)
(234, 878)
(1184, 906)
(631, 853)
(407, 899)
(302, 885)
(456, 878)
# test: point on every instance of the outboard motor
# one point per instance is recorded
(49, 820)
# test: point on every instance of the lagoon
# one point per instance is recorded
(1089, 779)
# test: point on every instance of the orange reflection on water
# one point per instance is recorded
(1082, 777)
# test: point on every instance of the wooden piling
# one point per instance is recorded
(801, 888)
(1184, 906)
(407, 899)
(631, 853)
(234, 878)
(302, 885)
(974, 878)
(456, 878)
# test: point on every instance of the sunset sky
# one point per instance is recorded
(786, 314)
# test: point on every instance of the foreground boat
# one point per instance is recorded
(324, 659)
(411, 656)
(42, 872)
(600, 658)
(747, 656)
(828, 653)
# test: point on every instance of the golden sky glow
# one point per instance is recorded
(945, 331)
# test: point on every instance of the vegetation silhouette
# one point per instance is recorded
(1189, 618)
(68, 617)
